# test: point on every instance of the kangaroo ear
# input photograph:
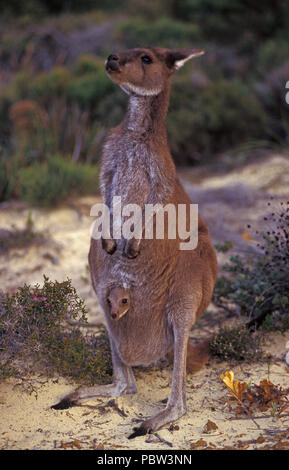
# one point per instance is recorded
(176, 59)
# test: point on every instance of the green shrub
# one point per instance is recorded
(228, 20)
(54, 182)
(87, 64)
(150, 9)
(38, 8)
(272, 54)
(47, 85)
(216, 118)
(6, 180)
(35, 333)
(164, 32)
(89, 89)
(236, 343)
(59, 112)
(258, 285)
(86, 358)
(20, 85)
(271, 89)
(86, 83)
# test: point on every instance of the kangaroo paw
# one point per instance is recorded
(131, 249)
(89, 393)
(138, 432)
(67, 402)
(153, 424)
(109, 245)
(64, 404)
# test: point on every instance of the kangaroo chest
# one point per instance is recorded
(131, 172)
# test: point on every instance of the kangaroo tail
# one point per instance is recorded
(197, 355)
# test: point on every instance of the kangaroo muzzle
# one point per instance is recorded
(112, 63)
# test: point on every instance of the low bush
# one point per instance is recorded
(87, 64)
(258, 285)
(52, 183)
(236, 343)
(62, 111)
(7, 182)
(35, 334)
(218, 117)
(88, 90)
(84, 83)
(49, 84)
(272, 54)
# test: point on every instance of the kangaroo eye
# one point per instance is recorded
(124, 301)
(108, 301)
(146, 59)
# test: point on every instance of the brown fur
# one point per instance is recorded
(116, 298)
(197, 356)
(169, 288)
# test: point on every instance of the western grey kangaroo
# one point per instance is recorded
(119, 302)
(169, 288)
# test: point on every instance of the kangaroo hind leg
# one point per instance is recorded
(176, 404)
(123, 383)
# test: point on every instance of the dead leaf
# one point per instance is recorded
(246, 237)
(262, 397)
(200, 444)
(76, 444)
(237, 388)
(242, 445)
(210, 427)
(71, 445)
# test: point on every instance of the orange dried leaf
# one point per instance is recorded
(246, 237)
(228, 379)
(236, 387)
(210, 427)
(200, 444)
(239, 388)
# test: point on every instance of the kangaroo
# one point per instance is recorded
(169, 288)
(119, 302)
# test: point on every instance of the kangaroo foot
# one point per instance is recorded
(171, 413)
(89, 393)
(64, 404)
(109, 245)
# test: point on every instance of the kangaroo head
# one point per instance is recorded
(119, 302)
(146, 71)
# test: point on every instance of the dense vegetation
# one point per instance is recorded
(39, 331)
(56, 102)
(257, 286)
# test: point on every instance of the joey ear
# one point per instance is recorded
(177, 58)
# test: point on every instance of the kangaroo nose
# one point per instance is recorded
(113, 315)
(112, 63)
(112, 57)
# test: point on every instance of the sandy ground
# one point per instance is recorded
(228, 202)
